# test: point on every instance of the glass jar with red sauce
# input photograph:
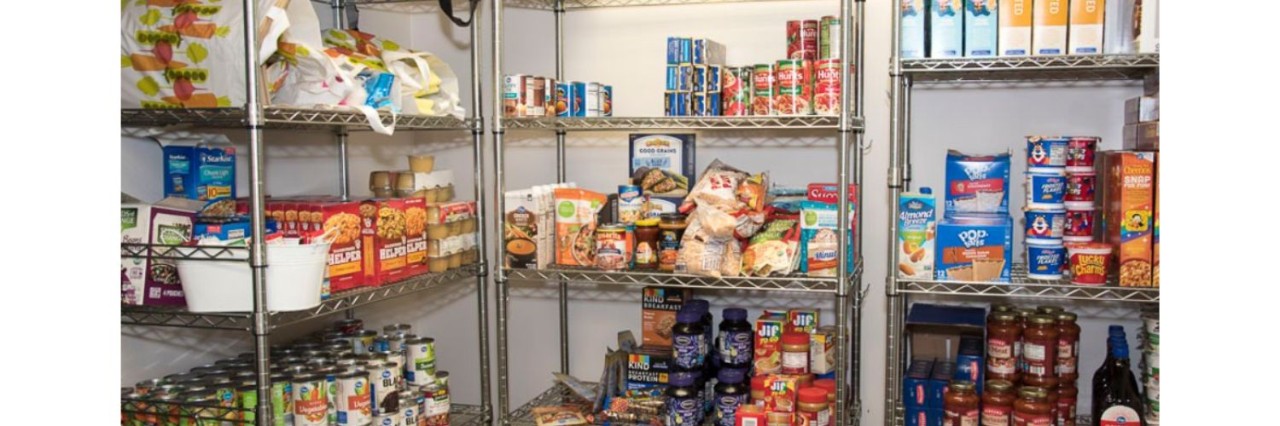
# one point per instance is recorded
(1066, 406)
(1052, 396)
(1023, 314)
(1067, 365)
(1039, 350)
(997, 403)
(1032, 407)
(960, 404)
(1003, 334)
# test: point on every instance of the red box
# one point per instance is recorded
(780, 393)
(382, 227)
(346, 259)
(769, 328)
(415, 215)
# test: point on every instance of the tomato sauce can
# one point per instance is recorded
(563, 97)
(802, 39)
(829, 46)
(826, 93)
(735, 95)
(513, 92)
(606, 100)
(577, 102)
(793, 92)
(612, 251)
(763, 88)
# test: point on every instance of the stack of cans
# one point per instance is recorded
(1046, 210)
(1150, 365)
(1081, 186)
(694, 71)
(533, 96)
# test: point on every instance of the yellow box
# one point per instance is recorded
(1049, 27)
(1015, 28)
(1085, 33)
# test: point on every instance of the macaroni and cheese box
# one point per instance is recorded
(346, 259)
(1049, 27)
(1084, 37)
(147, 281)
(415, 235)
(828, 193)
(1127, 210)
(383, 230)
(648, 366)
(975, 248)
(981, 20)
(946, 29)
(768, 343)
(205, 172)
(912, 14)
(916, 234)
(1015, 27)
(977, 183)
(658, 307)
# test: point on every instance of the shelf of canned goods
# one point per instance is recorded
(847, 131)
(1032, 68)
(1022, 287)
(255, 118)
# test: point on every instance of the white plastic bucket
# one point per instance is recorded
(294, 275)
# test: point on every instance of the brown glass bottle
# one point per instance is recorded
(1003, 334)
(1032, 408)
(997, 403)
(960, 404)
(1039, 348)
(1067, 363)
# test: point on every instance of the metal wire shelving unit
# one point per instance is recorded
(255, 117)
(1028, 70)
(847, 290)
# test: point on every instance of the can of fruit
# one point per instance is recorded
(310, 400)
(563, 91)
(793, 93)
(802, 39)
(606, 100)
(829, 38)
(513, 92)
(826, 94)
(421, 359)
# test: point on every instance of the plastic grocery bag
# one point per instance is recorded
(428, 85)
(184, 54)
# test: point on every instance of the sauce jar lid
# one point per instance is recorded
(653, 221)
(688, 315)
(1004, 316)
(1046, 309)
(1033, 392)
(682, 379)
(700, 305)
(1002, 307)
(735, 314)
(1041, 319)
(813, 395)
(1067, 316)
(672, 217)
(961, 386)
(794, 338)
(730, 375)
(999, 385)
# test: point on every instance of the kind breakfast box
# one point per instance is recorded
(917, 229)
(662, 164)
(912, 13)
(977, 183)
(975, 248)
(1084, 37)
(1127, 213)
(946, 29)
(648, 367)
(1049, 30)
(658, 307)
(1015, 27)
(146, 281)
(980, 25)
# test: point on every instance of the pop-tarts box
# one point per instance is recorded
(981, 20)
(946, 29)
(1015, 27)
(679, 51)
(912, 14)
(915, 384)
(974, 248)
(977, 183)
(203, 172)
(1049, 27)
(1084, 35)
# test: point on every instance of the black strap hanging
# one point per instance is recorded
(447, 7)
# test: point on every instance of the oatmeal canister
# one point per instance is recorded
(793, 94)
(763, 90)
(1045, 225)
(1078, 226)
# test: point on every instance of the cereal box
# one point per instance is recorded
(1085, 33)
(648, 366)
(383, 222)
(575, 220)
(980, 25)
(346, 259)
(1015, 27)
(802, 320)
(662, 164)
(658, 307)
(1049, 28)
(1130, 198)
(415, 235)
(1155, 233)
(146, 281)
(912, 14)
(205, 173)
(946, 29)
(975, 248)
(977, 184)
(768, 343)
(916, 231)
(822, 350)
(780, 393)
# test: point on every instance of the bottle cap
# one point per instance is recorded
(735, 314)
(700, 305)
(682, 379)
(688, 316)
(730, 375)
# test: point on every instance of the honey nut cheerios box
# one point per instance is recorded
(382, 228)
(1127, 214)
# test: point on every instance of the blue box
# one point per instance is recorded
(714, 74)
(707, 52)
(699, 105)
(974, 248)
(205, 172)
(699, 78)
(946, 29)
(941, 376)
(912, 14)
(713, 104)
(915, 384)
(679, 78)
(969, 368)
(676, 104)
(980, 25)
(924, 417)
(977, 183)
(233, 228)
(679, 51)
(577, 97)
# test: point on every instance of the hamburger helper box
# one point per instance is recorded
(146, 281)
(383, 229)
(415, 236)
(974, 247)
(346, 257)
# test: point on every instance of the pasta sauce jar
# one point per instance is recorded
(1002, 335)
(1032, 408)
(1039, 350)
(997, 403)
(960, 404)
(1067, 366)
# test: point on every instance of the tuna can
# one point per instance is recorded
(676, 104)
(714, 75)
(762, 89)
(829, 38)
(563, 96)
(513, 92)
(606, 100)
(592, 99)
(699, 79)
(577, 96)
(310, 400)
(699, 104)
(349, 326)
(421, 361)
(353, 402)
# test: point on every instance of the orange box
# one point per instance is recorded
(1128, 204)
(415, 234)
(658, 307)
(1015, 28)
(1085, 34)
(769, 328)
(383, 230)
(1049, 27)
(780, 393)
(802, 320)
(1155, 233)
(346, 259)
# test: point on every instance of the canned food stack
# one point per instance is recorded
(346, 375)
(695, 71)
(533, 96)
(1045, 210)
(1150, 365)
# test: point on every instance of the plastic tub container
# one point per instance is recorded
(1046, 187)
(1078, 226)
(294, 276)
(1045, 225)
(1089, 262)
(1046, 151)
(1045, 259)
(1081, 188)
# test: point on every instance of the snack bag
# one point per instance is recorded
(575, 220)
(717, 188)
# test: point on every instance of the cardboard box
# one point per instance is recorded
(233, 229)
(658, 307)
(662, 164)
(415, 236)
(1130, 178)
(1142, 136)
(383, 230)
(1118, 27)
(822, 350)
(648, 367)
(924, 417)
(917, 228)
(935, 331)
(780, 393)
(1141, 109)
(912, 15)
(1015, 27)
(946, 29)
(520, 239)
(346, 258)
(205, 173)
(1155, 233)
(970, 361)
(708, 52)
(1049, 27)
(943, 372)
(975, 248)
(981, 21)
(915, 384)
(147, 281)
(802, 320)
(977, 183)
(827, 193)
(1146, 36)
(768, 342)
(1084, 36)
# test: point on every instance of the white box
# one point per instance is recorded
(1084, 35)
(946, 29)
(981, 20)
(1146, 38)
(912, 14)
(1015, 27)
(1049, 27)
(1118, 26)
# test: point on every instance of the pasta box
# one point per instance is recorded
(916, 382)
(939, 378)
(205, 172)
(648, 366)
(974, 248)
(658, 307)
(662, 164)
(146, 281)
(977, 183)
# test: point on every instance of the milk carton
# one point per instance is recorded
(912, 13)
(946, 29)
(1049, 27)
(916, 231)
(1015, 27)
(1085, 32)
(980, 24)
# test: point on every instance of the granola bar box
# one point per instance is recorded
(977, 183)
(658, 308)
(1127, 212)
(974, 248)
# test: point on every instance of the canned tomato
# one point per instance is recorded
(762, 89)
(829, 38)
(826, 96)
(421, 361)
(1080, 189)
(793, 93)
(513, 92)
(802, 39)
(611, 247)
(353, 403)
(606, 100)
(310, 400)
(1079, 225)
(735, 95)
(1080, 154)
(676, 104)
(535, 96)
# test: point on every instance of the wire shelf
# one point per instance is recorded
(143, 411)
(558, 395)
(465, 415)
(282, 118)
(1032, 68)
(703, 123)
(1022, 287)
(596, 4)
(175, 252)
(179, 317)
(798, 283)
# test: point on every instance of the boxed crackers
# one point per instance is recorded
(768, 343)
(975, 248)
(147, 281)
(658, 308)
(205, 172)
(1127, 214)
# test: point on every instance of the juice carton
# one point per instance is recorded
(916, 234)
(980, 25)
(768, 344)
(1049, 29)
(946, 29)
(1130, 198)
(1015, 27)
(1085, 33)
(912, 13)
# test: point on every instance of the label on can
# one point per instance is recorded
(562, 99)
(384, 384)
(802, 39)
(577, 96)
(829, 46)
(668, 248)
(735, 93)
(612, 251)
(310, 403)
(549, 97)
(606, 100)
(826, 96)
(762, 88)
(592, 99)
(513, 95)
(534, 97)
(354, 401)
(422, 358)
(793, 93)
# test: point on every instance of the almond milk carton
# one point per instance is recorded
(946, 29)
(912, 13)
(980, 25)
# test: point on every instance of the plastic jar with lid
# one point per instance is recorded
(830, 386)
(814, 406)
(730, 395)
(1066, 406)
(997, 403)
(1067, 365)
(1032, 407)
(1039, 350)
(1022, 315)
(795, 353)
(647, 234)
(683, 405)
(960, 404)
(735, 344)
(671, 231)
(1003, 334)
(758, 389)
(687, 340)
